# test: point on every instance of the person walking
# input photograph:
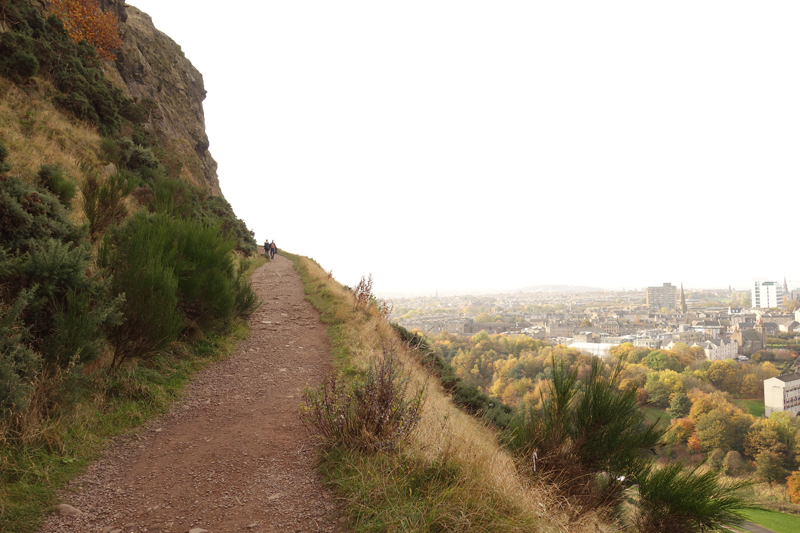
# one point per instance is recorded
(266, 248)
(272, 250)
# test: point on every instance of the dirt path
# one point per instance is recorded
(232, 454)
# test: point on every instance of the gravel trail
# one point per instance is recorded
(231, 455)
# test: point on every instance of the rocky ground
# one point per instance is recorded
(232, 454)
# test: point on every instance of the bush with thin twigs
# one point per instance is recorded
(375, 413)
(368, 301)
(103, 202)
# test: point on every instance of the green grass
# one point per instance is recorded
(754, 407)
(777, 522)
(31, 476)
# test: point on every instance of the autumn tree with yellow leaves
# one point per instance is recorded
(85, 21)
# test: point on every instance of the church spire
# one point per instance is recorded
(683, 300)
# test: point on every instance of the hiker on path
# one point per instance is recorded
(266, 248)
(272, 250)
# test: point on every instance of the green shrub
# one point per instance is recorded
(54, 308)
(674, 499)
(103, 203)
(375, 413)
(17, 361)
(175, 275)
(52, 178)
(31, 214)
(4, 166)
(587, 437)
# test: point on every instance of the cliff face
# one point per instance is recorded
(151, 65)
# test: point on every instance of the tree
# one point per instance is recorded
(586, 323)
(85, 21)
(679, 406)
(733, 464)
(793, 487)
(769, 467)
(715, 430)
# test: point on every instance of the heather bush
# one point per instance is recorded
(377, 412)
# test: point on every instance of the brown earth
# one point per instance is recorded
(231, 455)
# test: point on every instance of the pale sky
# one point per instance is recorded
(467, 146)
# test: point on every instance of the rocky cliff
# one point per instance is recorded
(151, 65)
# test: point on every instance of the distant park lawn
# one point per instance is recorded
(754, 407)
(775, 521)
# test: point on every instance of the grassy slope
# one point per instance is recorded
(35, 132)
(452, 475)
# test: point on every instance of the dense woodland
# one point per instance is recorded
(699, 401)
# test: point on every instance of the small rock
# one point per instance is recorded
(159, 430)
(198, 530)
(275, 496)
(251, 526)
(68, 510)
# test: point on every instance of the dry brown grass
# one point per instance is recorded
(446, 434)
(36, 133)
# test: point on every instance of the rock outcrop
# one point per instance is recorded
(151, 65)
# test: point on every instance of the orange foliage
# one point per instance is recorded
(793, 487)
(85, 21)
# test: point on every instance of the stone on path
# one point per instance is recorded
(68, 510)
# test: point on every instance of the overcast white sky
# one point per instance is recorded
(467, 146)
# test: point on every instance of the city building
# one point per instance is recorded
(665, 296)
(766, 294)
(782, 394)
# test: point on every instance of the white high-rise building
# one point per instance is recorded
(767, 294)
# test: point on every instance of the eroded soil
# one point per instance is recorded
(232, 454)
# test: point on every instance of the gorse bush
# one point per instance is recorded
(48, 259)
(375, 413)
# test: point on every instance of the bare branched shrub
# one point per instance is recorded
(368, 301)
(377, 412)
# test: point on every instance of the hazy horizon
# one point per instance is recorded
(457, 144)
